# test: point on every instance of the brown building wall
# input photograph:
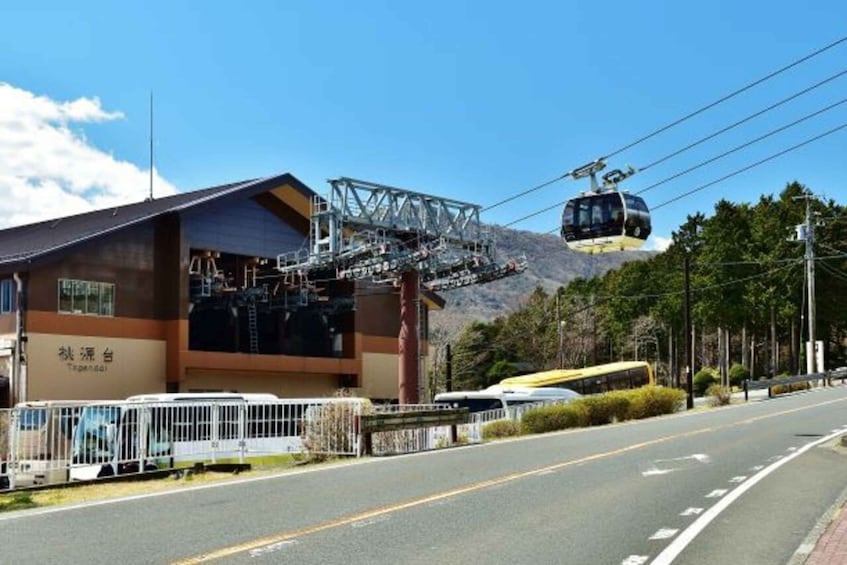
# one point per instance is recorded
(124, 258)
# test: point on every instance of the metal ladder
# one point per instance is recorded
(253, 326)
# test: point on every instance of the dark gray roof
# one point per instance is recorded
(24, 243)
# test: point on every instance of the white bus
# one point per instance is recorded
(40, 441)
(164, 431)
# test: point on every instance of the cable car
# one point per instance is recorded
(605, 220)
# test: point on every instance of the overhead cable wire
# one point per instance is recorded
(752, 166)
(742, 121)
(525, 192)
(607, 297)
(726, 97)
(743, 145)
(710, 161)
(833, 272)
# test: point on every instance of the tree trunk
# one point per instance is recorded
(774, 346)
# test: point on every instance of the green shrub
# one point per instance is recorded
(554, 417)
(738, 373)
(649, 401)
(606, 408)
(704, 378)
(719, 395)
(500, 429)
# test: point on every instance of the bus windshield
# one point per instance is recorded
(95, 433)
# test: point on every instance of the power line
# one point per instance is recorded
(833, 272)
(608, 297)
(743, 145)
(748, 167)
(726, 97)
(742, 121)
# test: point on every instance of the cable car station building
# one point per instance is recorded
(182, 293)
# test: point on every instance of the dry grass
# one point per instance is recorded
(104, 491)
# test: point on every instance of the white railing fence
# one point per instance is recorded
(49, 443)
(54, 442)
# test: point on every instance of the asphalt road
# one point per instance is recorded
(743, 484)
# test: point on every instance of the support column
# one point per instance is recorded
(408, 376)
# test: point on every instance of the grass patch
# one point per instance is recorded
(261, 466)
(17, 501)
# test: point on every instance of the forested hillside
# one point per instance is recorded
(551, 265)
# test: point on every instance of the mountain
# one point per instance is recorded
(550, 265)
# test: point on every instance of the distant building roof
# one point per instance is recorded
(27, 242)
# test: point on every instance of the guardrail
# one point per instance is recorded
(383, 423)
(769, 384)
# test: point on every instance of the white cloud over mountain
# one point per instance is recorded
(49, 169)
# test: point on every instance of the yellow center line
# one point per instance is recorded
(383, 510)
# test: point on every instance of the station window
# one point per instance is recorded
(86, 297)
(7, 296)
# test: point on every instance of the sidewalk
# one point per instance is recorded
(826, 544)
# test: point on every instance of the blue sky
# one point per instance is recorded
(474, 101)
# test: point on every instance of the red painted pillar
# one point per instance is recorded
(408, 339)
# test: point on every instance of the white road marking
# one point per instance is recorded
(369, 521)
(774, 458)
(635, 560)
(258, 552)
(791, 449)
(676, 547)
(757, 467)
(664, 533)
(545, 472)
(738, 479)
(691, 511)
(665, 466)
(717, 493)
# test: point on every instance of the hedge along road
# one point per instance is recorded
(617, 494)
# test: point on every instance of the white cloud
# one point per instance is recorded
(658, 243)
(48, 170)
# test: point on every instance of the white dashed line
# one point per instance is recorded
(791, 449)
(738, 479)
(271, 548)
(774, 458)
(757, 467)
(691, 512)
(672, 551)
(665, 533)
(717, 493)
(369, 522)
(635, 560)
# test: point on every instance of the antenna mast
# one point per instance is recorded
(151, 145)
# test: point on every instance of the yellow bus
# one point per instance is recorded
(590, 380)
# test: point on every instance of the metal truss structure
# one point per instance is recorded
(370, 232)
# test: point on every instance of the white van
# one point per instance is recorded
(526, 395)
(503, 396)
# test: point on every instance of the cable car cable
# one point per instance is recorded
(748, 167)
(725, 177)
(743, 145)
(743, 120)
(726, 97)
(525, 192)
(692, 114)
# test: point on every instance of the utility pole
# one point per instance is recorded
(806, 233)
(560, 353)
(689, 363)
